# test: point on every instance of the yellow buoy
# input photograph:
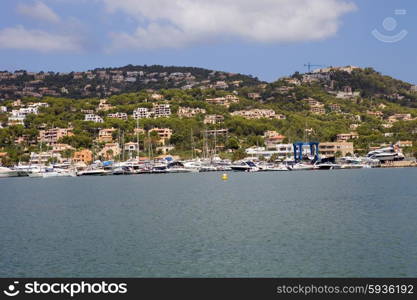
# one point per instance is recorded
(225, 177)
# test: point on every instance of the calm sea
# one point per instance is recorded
(319, 223)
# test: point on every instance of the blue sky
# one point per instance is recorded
(265, 38)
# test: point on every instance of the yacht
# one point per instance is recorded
(93, 172)
(244, 166)
(269, 167)
(301, 167)
(386, 154)
(7, 172)
(327, 166)
(178, 167)
(58, 173)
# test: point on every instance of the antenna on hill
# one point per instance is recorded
(309, 66)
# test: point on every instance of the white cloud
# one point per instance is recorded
(178, 23)
(24, 39)
(39, 11)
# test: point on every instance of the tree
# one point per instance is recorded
(239, 154)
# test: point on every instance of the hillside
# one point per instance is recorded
(104, 82)
(337, 104)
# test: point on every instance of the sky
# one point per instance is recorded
(264, 38)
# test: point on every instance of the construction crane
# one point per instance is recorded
(309, 66)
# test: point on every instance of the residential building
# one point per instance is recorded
(85, 156)
(87, 111)
(131, 147)
(399, 117)
(105, 135)
(281, 150)
(62, 147)
(318, 109)
(118, 115)
(334, 107)
(26, 139)
(405, 144)
(164, 149)
(164, 134)
(161, 110)
(139, 131)
(254, 96)
(258, 114)
(347, 93)
(217, 132)
(333, 148)
(344, 137)
(189, 112)
(104, 106)
(225, 101)
(157, 96)
(213, 119)
(51, 136)
(3, 109)
(141, 113)
(376, 114)
(44, 158)
(110, 151)
(93, 118)
(312, 102)
(273, 138)
(221, 85)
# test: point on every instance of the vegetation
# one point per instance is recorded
(378, 93)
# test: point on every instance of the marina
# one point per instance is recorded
(303, 160)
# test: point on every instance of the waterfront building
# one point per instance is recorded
(281, 150)
(43, 158)
(85, 156)
(333, 148)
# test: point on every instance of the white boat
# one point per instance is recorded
(58, 174)
(178, 167)
(301, 167)
(7, 172)
(93, 172)
(244, 166)
(386, 154)
(265, 167)
(327, 166)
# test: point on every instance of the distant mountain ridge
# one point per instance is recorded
(104, 82)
